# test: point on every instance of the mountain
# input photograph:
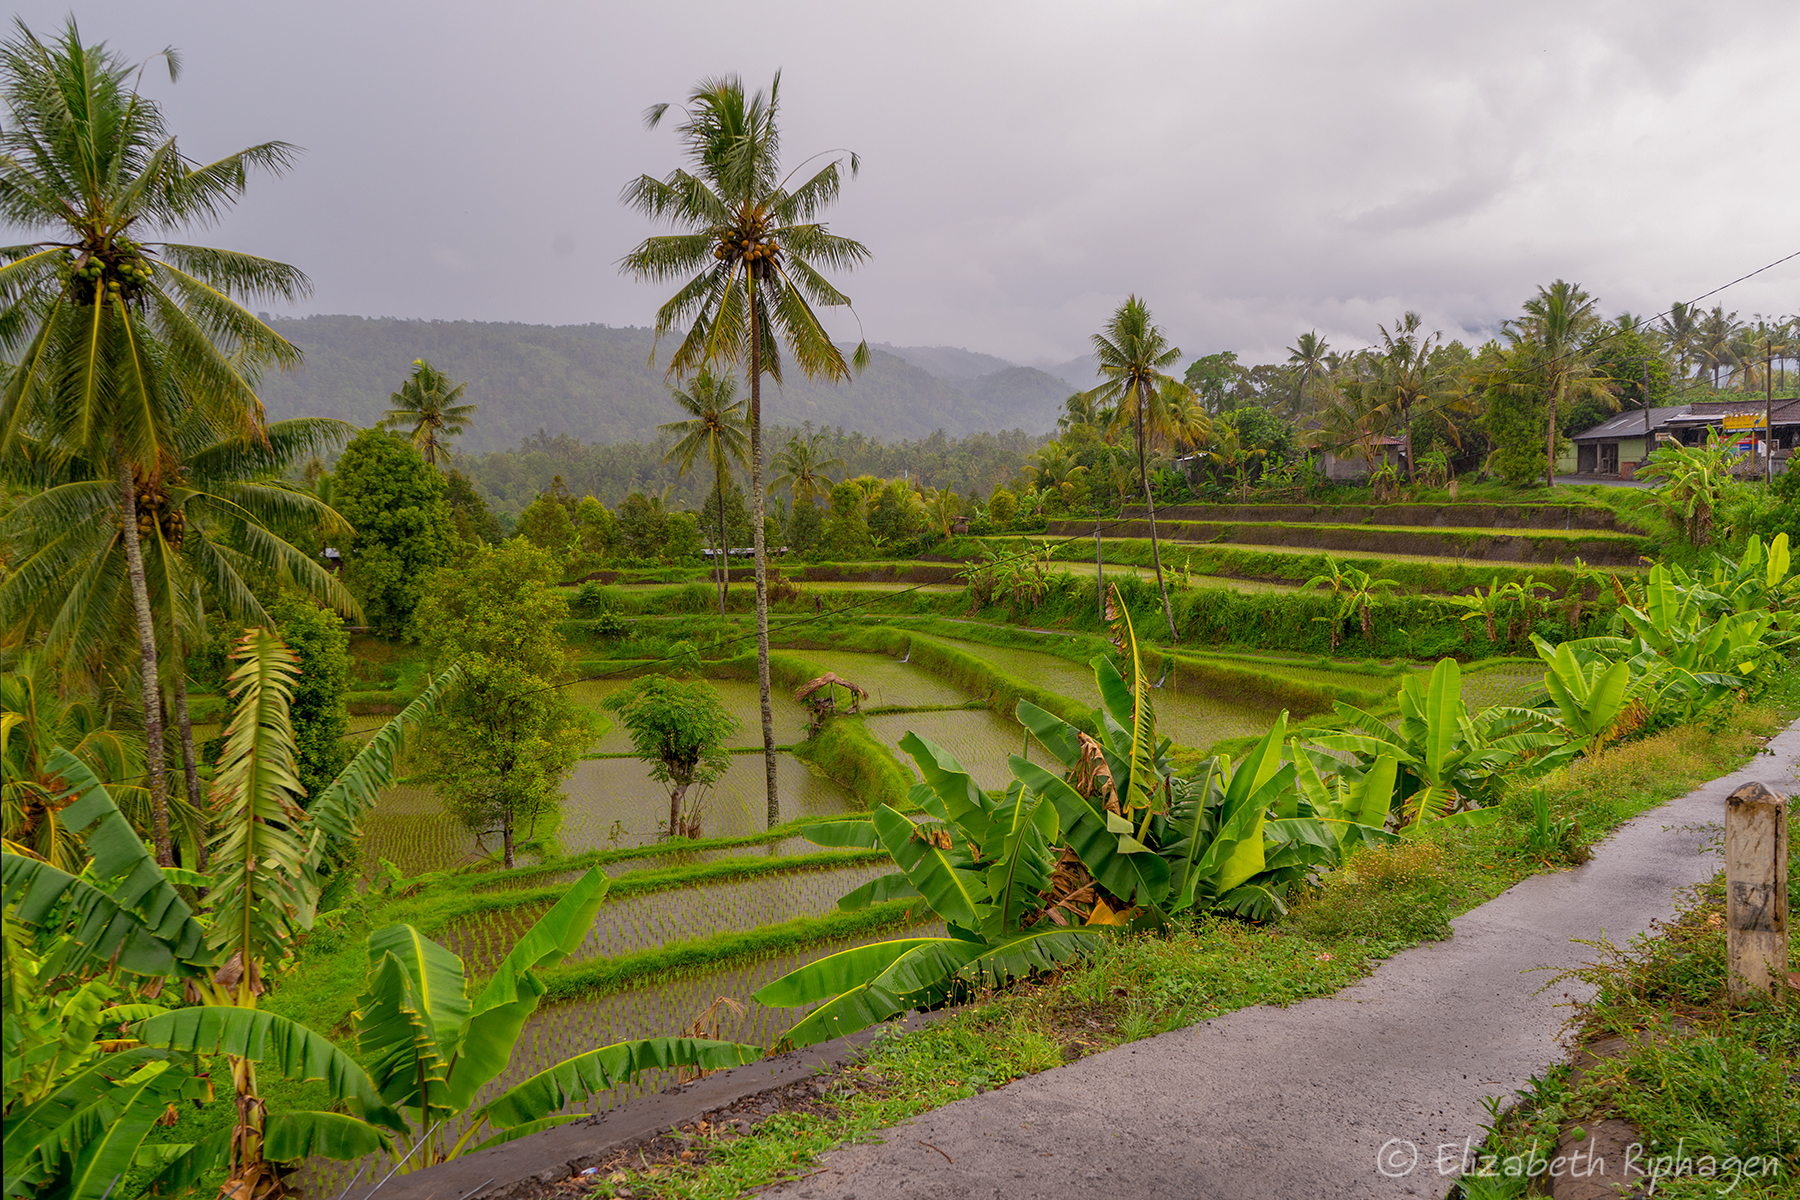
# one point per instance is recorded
(595, 382)
(947, 362)
(1077, 373)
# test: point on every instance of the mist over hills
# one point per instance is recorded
(595, 382)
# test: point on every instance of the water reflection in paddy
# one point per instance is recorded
(614, 802)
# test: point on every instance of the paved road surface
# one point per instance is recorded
(1300, 1102)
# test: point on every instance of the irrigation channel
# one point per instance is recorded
(612, 809)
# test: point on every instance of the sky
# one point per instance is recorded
(1253, 170)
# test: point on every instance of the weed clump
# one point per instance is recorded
(1403, 893)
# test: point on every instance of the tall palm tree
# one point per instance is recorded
(1681, 329)
(1714, 336)
(1309, 357)
(1080, 409)
(746, 258)
(803, 464)
(1405, 376)
(1133, 352)
(207, 527)
(715, 429)
(427, 401)
(1556, 328)
(117, 338)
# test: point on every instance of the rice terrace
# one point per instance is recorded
(400, 801)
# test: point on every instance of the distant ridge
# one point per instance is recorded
(595, 382)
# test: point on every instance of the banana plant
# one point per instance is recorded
(433, 1042)
(91, 1064)
(1450, 765)
(983, 864)
(1589, 695)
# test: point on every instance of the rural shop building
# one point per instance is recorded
(1616, 447)
(1741, 420)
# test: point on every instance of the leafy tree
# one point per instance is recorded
(469, 511)
(1003, 508)
(846, 528)
(737, 514)
(745, 258)
(679, 730)
(681, 538)
(319, 710)
(547, 526)
(1133, 352)
(507, 738)
(714, 430)
(599, 527)
(395, 502)
(643, 525)
(120, 340)
(1213, 378)
(805, 528)
(427, 401)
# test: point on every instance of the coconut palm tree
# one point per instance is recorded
(1405, 377)
(803, 464)
(427, 401)
(1133, 353)
(746, 258)
(118, 338)
(715, 429)
(1310, 359)
(1556, 330)
(206, 529)
(1680, 328)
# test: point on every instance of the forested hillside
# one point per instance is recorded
(594, 382)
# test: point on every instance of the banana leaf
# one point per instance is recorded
(1053, 733)
(1027, 825)
(895, 886)
(125, 871)
(499, 1013)
(959, 799)
(836, 974)
(578, 1078)
(400, 1051)
(276, 1043)
(1135, 878)
(856, 1009)
(858, 832)
(954, 894)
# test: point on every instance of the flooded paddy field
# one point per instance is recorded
(740, 697)
(610, 802)
(979, 739)
(688, 913)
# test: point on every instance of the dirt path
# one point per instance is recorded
(1348, 1096)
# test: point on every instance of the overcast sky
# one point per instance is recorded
(1252, 169)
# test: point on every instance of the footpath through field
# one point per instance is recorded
(1352, 1095)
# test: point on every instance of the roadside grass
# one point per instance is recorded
(1713, 1089)
(1381, 902)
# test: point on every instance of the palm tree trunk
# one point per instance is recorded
(153, 725)
(724, 558)
(1150, 508)
(1550, 438)
(508, 858)
(1406, 421)
(762, 556)
(1099, 570)
(188, 766)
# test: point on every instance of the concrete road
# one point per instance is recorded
(1355, 1095)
